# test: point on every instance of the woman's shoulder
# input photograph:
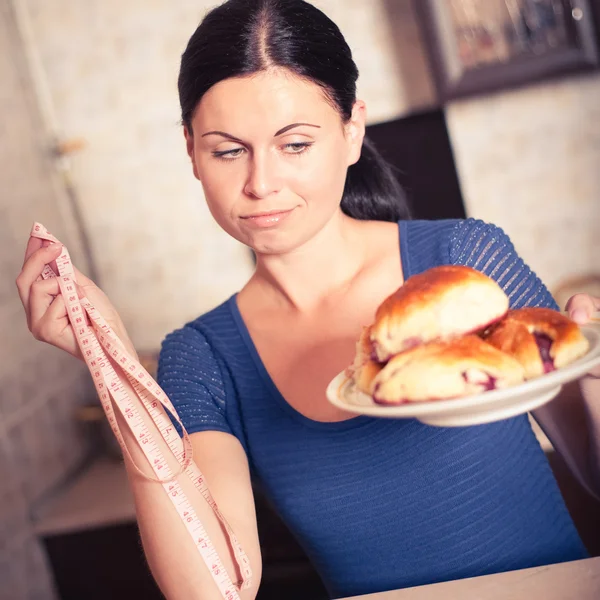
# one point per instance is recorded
(478, 244)
(425, 243)
(192, 374)
(199, 338)
(429, 243)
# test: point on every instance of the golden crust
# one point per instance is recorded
(364, 377)
(440, 303)
(364, 369)
(515, 335)
(445, 369)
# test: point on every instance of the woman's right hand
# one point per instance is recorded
(44, 305)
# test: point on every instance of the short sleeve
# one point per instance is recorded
(189, 374)
(488, 249)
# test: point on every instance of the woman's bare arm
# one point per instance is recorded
(572, 423)
(173, 558)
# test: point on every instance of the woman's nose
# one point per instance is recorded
(262, 177)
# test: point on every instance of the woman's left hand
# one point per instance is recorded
(581, 308)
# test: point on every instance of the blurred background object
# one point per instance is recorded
(91, 146)
(485, 45)
(579, 284)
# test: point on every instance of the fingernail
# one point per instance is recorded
(579, 316)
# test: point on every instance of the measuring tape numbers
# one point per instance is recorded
(110, 366)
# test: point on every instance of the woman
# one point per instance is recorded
(275, 135)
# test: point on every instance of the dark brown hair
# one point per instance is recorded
(242, 37)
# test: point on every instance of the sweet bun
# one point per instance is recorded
(438, 304)
(364, 369)
(445, 369)
(541, 339)
(364, 377)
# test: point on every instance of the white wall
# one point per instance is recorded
(112, 67)
(40, 443)
(529, 161)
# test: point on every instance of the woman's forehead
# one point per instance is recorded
(265, 98)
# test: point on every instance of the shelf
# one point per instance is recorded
(99, 497)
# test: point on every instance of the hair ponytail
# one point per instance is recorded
(372, 191)
(242, 37)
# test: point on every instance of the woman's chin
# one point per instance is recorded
(278, 239)
(283, 236)
(273, 247)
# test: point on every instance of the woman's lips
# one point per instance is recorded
(265, 220)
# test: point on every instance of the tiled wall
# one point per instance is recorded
(160, 256)
(39, 385)
(112, 69)
(529, 161)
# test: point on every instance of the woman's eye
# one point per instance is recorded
(228, 154)
(292, 148)
(297, 147)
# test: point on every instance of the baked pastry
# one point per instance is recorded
(445, 369)
(541, 339)
(364, 369)
(438, 304)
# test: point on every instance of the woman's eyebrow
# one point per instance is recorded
(288, 127)
(223, 134)
(280, 132)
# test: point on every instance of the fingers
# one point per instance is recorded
(52, 321)
(46, 244)
(32, 269)
(581, 307)
(82, 280)
(54, 328)
(33, 244)
(42, 295)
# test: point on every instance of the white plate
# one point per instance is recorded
(472, 410)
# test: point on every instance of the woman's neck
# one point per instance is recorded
(323, 267)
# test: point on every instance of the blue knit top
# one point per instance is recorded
(380, 504)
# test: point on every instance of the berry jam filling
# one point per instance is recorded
(486, 381)
(544, 343)
(491, 384)
(412, 342)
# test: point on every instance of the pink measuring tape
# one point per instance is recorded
(97, 342)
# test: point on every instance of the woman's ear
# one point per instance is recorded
(189, 143)
(355, 131)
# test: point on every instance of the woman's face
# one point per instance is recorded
(272, 155)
